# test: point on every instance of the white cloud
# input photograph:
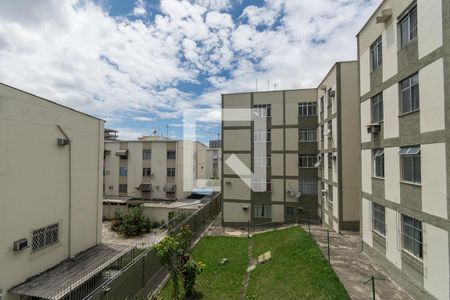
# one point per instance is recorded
(139, 9)
(74, 52)
(143, 119)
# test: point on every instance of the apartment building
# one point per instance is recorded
(213, 165)
(339, 148)
(404, 62)
(153, 167)
(50, 189)
(269, 156)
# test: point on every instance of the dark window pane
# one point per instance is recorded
(417, 169)
(415, 97)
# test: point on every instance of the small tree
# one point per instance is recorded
(174, 256)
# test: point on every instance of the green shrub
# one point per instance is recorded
(132, 222)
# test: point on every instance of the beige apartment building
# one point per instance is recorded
(339, 148)
(214, 164)
(404, 62)
(50, 189)
(269, 156)
(153, 168)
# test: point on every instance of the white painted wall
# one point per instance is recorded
(390, 112)
(366, 222)
(436, 261)
(364, 74)
(34, 182)
(392, 174)
(429, 29)
(365, 120)
(389, 45)
(432, 106)
(434, 179)
(134, 178)
(335, 202)
(393, 241)
(366, 176)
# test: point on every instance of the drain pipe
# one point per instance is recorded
(70, 187)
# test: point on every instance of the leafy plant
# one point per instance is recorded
(132, 222)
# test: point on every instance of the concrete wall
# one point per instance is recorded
(34, 185)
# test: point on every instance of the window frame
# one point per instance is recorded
(416, 250)
(146, 154)
(411, 27)
(121, 186)
(307, 109)
(311, 160)
(290, 214)
(308, 186)
(378, 160)
(262, 161)
(308, 133)
(262, 110)
(44, 237)
(146, 172)
(171, 154)
(123, 171)
(262, 136)
(330, 161)
(379, 219)
(262, 211)
(376, 107)
(410, 90)
(376, 54)
(411, 153)
(171, 172)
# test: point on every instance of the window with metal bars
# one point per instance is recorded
(147, 154)
(262, 161)
(306, 109)
(378, 219)
(308, 186)
(307, 134)
(260, 135)
(408, 27)
(171, 154)
(146, 172)
(170, 172)
(44, 237)
(412, 237)
(262, 110)
(123, 188)
(307, 160)
(263, 210)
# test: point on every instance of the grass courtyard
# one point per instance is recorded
(297, 269)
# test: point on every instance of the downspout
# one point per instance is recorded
(70, 188)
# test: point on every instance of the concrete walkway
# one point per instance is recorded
(353, 267)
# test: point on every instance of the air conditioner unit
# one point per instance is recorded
(331, 93)
(373, 128)
(20, 245)
(386, 14)
(63, 142)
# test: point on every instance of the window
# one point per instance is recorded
(377, 108)
(170, 172)
(330, 130)
(409, 94)
(412, 240)
(330, 196)
(330, 161)
(146, 172)
(307, 161)
(378, 163)
(306, 109)
(44, 237)
(322, 159)
(308, 186)
(378, 219)
(410, 163)
(322, 134)
(123, 188)
(262, 110)
(290, 212)
(329, 98)
(262, 161)
(307, 134)
(263, 211)
(321, 105)
(408, 27)
(262, 135)
(171, 154)
(123, 171)
(376, 56)
(147, 154)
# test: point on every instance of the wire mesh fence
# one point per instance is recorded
(137, 271)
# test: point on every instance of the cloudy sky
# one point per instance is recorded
(139, 64)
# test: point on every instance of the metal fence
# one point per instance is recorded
(143, 274)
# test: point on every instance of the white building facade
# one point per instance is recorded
(404, 62)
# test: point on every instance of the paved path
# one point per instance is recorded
(353, 267)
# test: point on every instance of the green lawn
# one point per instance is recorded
(219, 281)
(297, 269)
